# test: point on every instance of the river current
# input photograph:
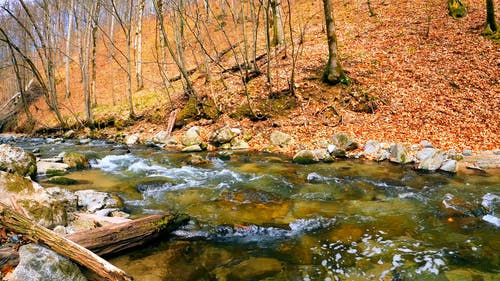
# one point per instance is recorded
(260, 217)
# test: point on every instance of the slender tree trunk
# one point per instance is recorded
(182, 68)
(95, 25)
(278, 33)
(138, 38)
(164, 67)
(111, 55)
(333, 73)
(67, 58)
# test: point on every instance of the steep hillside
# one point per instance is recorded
(417, 74)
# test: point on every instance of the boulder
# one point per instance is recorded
(69, 134)
(162, 137)
(450, 166)
(371, 147)
(426, 144)
(280, 139)
(225, 135)
(76, 161)
(239, 144)
(49, 207)
(92, 200)
(321, 154)
(400, 154)
(39, 263)
(433, 162)
(51, 168)
(344, 142)
(192, 148)
(192, 137)
(425, 153)
(18, 161)
(131, 139)
(305, 157)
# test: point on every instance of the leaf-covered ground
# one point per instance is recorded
(417, 74)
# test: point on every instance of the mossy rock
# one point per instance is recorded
(54, 173)
(196, 109)
(18, 161)
(62, 181)
(76, 161)
(16, 184)
(305, 157)
(46, 213)
(457, 9)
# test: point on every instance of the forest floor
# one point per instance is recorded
(417, 74)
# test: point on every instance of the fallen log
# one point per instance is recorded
(118, 237)
(18, 223)
(114, 238)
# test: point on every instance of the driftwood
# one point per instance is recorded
(118, 237)
(113, 238)
(16, 222)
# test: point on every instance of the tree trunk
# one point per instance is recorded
(67, 57)
(95, 24)
(278, 33)
(333, 73)
(115, 238)
(138, 46)
(36, 233)
(490, 16)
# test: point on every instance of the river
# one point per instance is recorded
(260, 217)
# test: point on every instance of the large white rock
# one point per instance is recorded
(38, 263)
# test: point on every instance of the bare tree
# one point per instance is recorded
(278, 32)
(333, 73)
(138, 45)
(125, 24)
(67, 57)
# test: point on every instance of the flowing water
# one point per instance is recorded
(259, 217)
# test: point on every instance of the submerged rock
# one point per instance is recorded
(305, 157)
(18, 161)
(39, 263)
(251, 269)
(280, 139)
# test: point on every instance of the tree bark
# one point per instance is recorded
(118, 237)
(490, 16)
(36, 233)
(67, 56)
(278, 32)
(333, 73)
(138, 46)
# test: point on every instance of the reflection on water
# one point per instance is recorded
(259, 217)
